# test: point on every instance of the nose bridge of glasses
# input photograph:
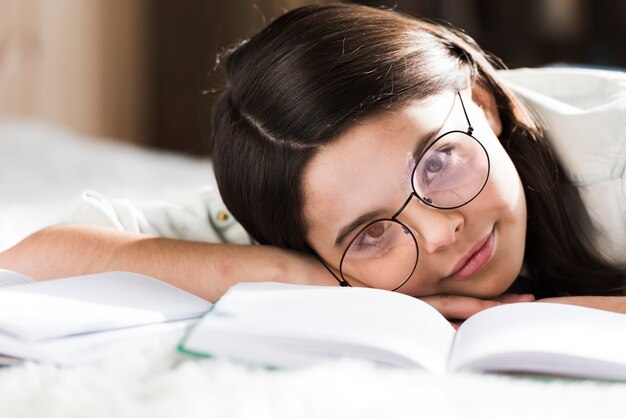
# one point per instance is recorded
(422, 202)
(404, 205)
(435, 226)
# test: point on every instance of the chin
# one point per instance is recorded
(496, 286)
(489, 285)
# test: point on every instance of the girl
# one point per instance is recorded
(366, 148)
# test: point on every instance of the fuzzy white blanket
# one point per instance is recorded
(43, 168)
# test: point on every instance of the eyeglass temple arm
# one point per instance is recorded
(342, 282)
(469, 124)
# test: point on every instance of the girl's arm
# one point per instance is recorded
(206, 270)
(606, 303)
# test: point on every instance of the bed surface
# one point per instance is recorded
(42, 168)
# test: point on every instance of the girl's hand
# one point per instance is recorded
(458, 308)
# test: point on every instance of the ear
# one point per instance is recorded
(487, 103)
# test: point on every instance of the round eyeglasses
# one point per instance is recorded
(450, 173)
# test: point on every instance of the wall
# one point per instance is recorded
(132, 70)
(143, 71)
(80, 64)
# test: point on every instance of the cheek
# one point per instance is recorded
(504, 189)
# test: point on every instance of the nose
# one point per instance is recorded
(436, 228)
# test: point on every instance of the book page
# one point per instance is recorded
(546, 338)
(11, 278)
(86, 348)
(290, 325)
(96, 302)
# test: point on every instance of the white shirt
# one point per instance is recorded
(584, 112)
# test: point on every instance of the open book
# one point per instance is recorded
(284, 325)
(73, 320)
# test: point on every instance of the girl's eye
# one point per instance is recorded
(374, 237)
(375, 231)
(435, 161)
(434, 164)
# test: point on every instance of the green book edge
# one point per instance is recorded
(202, 355)
(181, 345)
(555, 378)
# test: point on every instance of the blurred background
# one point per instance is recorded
(144, 71)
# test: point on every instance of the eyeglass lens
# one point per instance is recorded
(453, 171)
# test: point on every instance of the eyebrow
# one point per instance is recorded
(349, 229)
(425, 142)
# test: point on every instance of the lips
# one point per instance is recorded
(475, 259)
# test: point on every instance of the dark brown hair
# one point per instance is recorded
(309, 75)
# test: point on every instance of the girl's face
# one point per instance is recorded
(474, 250)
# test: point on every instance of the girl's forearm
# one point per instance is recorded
(606, 303)
(206, 270)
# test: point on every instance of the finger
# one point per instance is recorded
(514, 298)
(455, 324)
(458, 307)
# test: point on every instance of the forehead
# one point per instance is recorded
(365, 168)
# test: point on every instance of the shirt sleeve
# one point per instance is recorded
(584, 113)
(198, 216)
